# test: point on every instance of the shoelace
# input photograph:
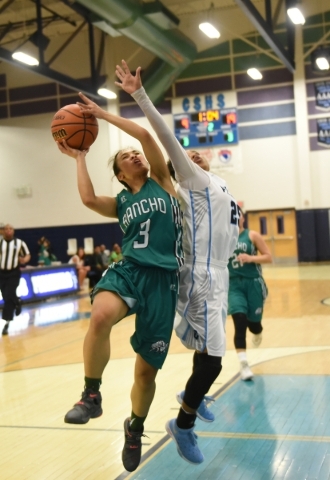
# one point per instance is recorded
(208, 399)
(138, 435)
(193, 438)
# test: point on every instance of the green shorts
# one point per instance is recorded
(247, 295)
(150, 293)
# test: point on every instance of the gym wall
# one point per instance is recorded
(282, 164)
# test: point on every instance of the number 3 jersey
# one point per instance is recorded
(151, 220)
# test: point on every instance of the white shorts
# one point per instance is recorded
(202, 308)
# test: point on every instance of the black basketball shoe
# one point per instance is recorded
(5, 329)
(90, 406)
(131, 454)
(18, 307)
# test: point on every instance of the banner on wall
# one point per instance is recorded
(39, 283)
(224, 160)
(322, 95)
(323, 132)
(199, 103)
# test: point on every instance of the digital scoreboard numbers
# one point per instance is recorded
(206, 128)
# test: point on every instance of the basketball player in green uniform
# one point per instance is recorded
(247, 291)
(144, 283)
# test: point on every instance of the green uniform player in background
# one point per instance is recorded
(247, 291)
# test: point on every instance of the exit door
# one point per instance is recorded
(278, 229)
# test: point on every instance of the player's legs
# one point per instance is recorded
(238, 308)
(8, 285)
(204, 331)
(240, 324)
(201, 328)
(108, 308)
(150, 341)
(210, 325)
(144, 387)
(206, 369)
(255, 328)
(142, 394)
(257, 293)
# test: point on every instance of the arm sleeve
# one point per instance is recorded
(188, 174)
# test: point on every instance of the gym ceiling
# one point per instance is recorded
(162, 36)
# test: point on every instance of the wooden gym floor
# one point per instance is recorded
(275, 427)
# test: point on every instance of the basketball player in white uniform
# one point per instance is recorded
(210, 236)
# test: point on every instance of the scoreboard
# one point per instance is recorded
(206, 128)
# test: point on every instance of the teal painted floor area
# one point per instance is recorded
(275, 404)
(234, 459)
(276, 427)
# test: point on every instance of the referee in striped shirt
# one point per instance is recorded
(13, 253)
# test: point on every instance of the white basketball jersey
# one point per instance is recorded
(210, 226)
(210, 222)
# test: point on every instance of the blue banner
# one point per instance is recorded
(322, 95)
(323, 131)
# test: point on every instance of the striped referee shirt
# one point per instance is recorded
(10, 251)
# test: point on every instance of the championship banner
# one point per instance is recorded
(322, 95)
(323, 132)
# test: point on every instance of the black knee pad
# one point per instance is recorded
(254, 327)
(205, 371)
(240, 323)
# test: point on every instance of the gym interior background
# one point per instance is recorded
(280, 162)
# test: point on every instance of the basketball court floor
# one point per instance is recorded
(274, 427)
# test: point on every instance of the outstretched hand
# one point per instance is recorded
(71, 152)
(128, 82)
(90, 107)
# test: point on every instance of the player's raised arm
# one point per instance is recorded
(185, 169)
(150, 147)
(106, 206)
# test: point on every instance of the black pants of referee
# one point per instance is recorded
(9, 281)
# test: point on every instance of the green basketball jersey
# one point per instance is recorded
(152, 224)
(249, 270)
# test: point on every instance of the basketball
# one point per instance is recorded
(77, 128)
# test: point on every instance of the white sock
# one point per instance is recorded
(242, 356)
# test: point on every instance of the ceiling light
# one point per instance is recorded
(104, 92)
(24, 58)
(322, 63)
(209, 30)
(296, 16)
(320, 59)
(254, 73)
